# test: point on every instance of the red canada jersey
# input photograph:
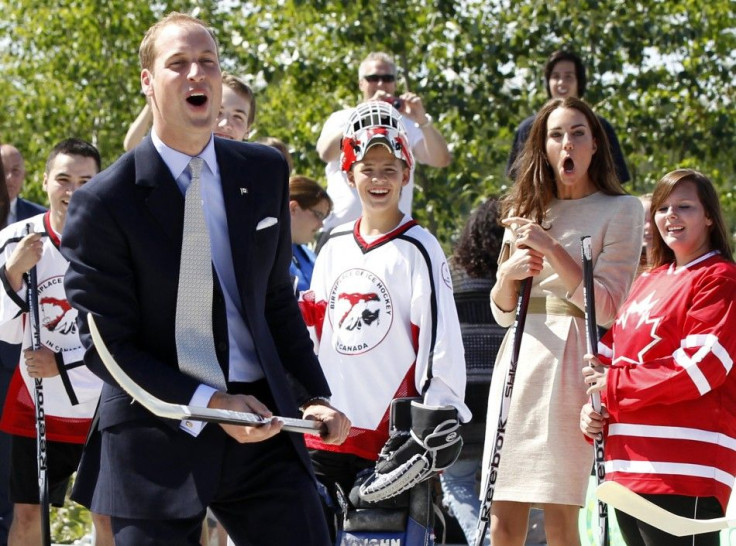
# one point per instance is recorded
(671, 391)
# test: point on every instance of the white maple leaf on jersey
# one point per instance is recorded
(643, 309)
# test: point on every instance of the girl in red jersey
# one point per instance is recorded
(669, 396)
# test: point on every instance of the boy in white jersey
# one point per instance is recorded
(70, 390)
(383, 317)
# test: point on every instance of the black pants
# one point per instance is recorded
(265, 496)
(271, 501)
(637, 533)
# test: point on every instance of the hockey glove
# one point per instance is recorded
(431, 444)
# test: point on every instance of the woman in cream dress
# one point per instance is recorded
(566, 188)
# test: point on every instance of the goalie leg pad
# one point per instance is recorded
(433, 444)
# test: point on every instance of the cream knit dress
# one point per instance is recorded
(545, 458)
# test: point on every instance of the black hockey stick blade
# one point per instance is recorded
(624, 499)
(180, 412)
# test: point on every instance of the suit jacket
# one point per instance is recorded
(25, 209)
(123, 238)
(10, 352)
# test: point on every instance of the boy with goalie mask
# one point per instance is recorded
(385, 326)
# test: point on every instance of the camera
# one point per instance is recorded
(396, 102)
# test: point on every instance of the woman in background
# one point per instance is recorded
(309, 205)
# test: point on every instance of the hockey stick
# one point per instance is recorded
(43, 484)
(624, 499)
(484, 517)
(591, 329)
(180, 412)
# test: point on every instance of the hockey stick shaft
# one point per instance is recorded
(591, 328)
(181, 412)
(522, 305)
(625, 500)
(43, 484)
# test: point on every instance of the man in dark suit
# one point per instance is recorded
(123, 239)
(20, 209)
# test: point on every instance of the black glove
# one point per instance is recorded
(414, 453)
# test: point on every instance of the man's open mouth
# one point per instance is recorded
(197, 99)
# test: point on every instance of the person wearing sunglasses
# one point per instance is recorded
(377, 81)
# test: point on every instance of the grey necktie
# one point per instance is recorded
(195, 346)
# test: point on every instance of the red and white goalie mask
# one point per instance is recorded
(374, 122)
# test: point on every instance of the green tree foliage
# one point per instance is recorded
(660, 71)
(68, 69)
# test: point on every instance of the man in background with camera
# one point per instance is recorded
(377, 81)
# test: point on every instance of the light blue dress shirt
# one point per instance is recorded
(243, 362)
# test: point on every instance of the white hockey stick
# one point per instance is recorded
(627, 501)
(181, 412)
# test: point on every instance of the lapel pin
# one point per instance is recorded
(243, 191)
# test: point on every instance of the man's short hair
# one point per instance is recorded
(562, 55)
(376, 56)
(74, 146)
(244, 90)
(147, 53)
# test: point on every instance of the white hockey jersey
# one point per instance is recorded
(385, 326)
(70, 398)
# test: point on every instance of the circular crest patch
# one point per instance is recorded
(58, 319)
(360, 311)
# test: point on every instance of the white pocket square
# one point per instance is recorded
(268, 221)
